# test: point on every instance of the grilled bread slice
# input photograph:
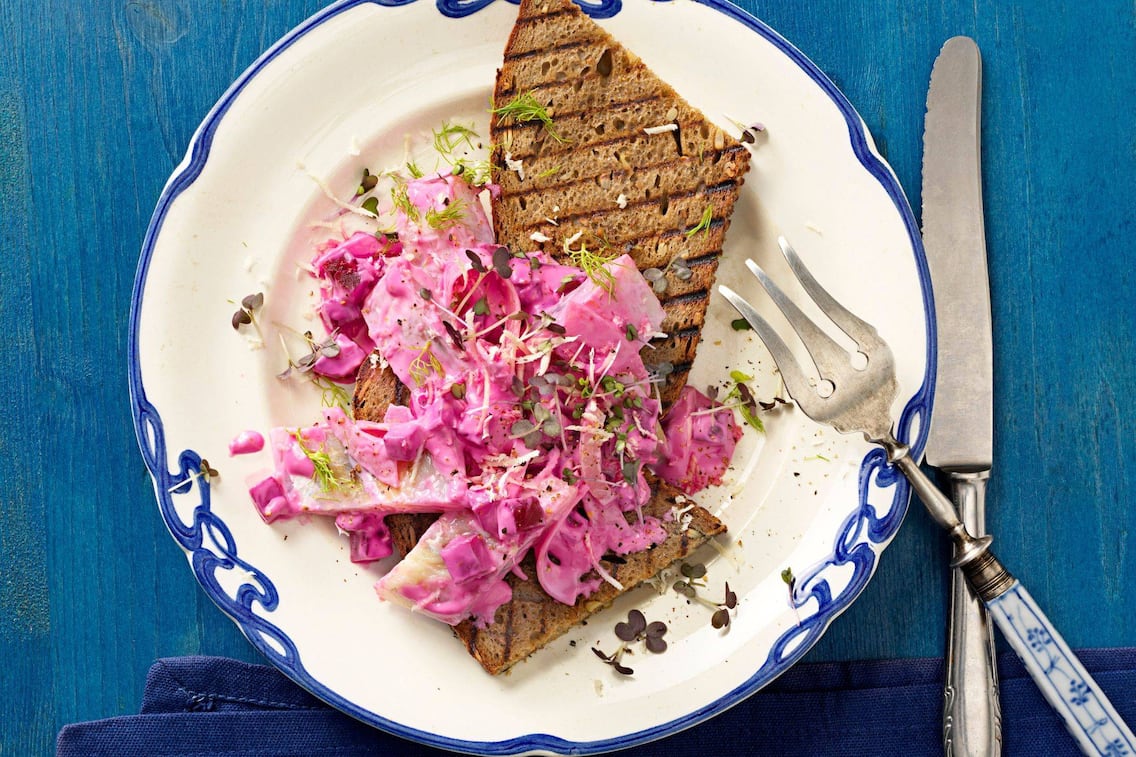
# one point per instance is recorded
(620, 160)
(531, 619)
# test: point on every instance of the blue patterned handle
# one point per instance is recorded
(1089, 716)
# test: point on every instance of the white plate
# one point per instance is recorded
(235, 218)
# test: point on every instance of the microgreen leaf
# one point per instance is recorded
(208, 472)
(475, 262)
(252, 301)
(367, 183)
(502, 262)
(740, 324)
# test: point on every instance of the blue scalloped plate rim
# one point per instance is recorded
(210, 544)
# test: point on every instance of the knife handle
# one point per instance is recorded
(972, 716)
(1069, 689)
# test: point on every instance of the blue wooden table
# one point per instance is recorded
(97, 107)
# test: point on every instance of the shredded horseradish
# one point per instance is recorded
(350, 208)
(621, 201)
(652, 130)
(515, 165)
(539, 238)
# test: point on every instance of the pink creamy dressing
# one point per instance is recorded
(246, 442)
(531, 418)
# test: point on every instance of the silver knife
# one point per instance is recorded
(960, 443)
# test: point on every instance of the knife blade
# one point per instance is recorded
(960, 441)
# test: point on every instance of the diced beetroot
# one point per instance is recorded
(268, 495)
(466, 557)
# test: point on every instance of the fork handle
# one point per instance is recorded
(1089, 716)
(972, 718)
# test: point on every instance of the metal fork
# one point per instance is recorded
(857, 397)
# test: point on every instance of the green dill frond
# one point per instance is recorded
(447, 217)
(548, 172)
(455, 143)
(703, 223)
(334, 395)
(401, 200)
(413, 169)
(525, 108)
(324, 474)
(593, 262)
(424, 364)
(452, 136)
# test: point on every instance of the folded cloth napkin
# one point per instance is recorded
(197, 706)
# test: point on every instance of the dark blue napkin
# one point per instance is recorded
(197, 706)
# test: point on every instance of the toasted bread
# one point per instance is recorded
(532, 618)
(596, 170)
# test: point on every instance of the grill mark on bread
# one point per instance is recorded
(538, 18)
(595, 213)
(570, 45)
(620, 173)
(685, 297)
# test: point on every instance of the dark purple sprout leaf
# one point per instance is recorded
(253, 301)
(622, 669)
(637, 622)
(655, 644)
(685, 589)
(601, 655)
(455, 335)
(695, 570)
(475, 262)
(521, 428)
(502, 262)
(240, 318)
(731, 598)
(656, 629)
(721, 618)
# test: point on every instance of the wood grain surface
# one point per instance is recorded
(97, 105)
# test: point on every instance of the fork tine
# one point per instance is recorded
(823, 348)
(863, 334)
(796, 382)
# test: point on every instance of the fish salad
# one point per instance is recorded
(531, 423)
